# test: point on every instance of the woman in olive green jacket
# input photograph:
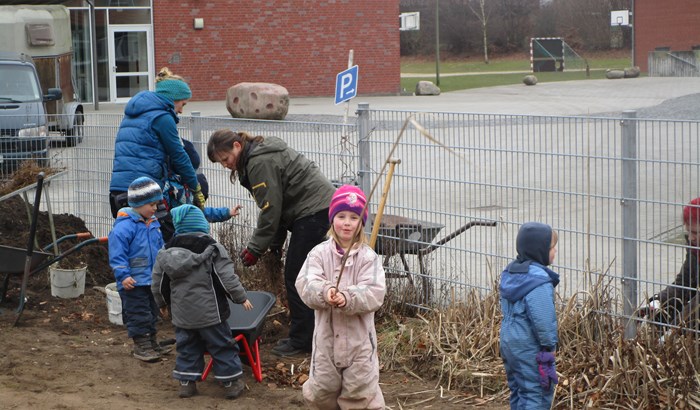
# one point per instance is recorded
(293, 195)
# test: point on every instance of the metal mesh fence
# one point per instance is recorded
(613, 188)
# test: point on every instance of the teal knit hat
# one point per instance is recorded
(176, 90)
(188, 218)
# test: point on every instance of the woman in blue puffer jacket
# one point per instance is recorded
(148, 144)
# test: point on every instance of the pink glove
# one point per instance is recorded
(248, 258)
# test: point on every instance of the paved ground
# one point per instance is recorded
(584, 97)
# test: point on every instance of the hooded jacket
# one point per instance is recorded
(195, 275)
(529, 323)
(147, 141)
(134, 243)
(527, 292)
(286, 186)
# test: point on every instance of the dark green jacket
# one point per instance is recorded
(285, 185)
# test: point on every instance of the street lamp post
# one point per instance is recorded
(437, 42)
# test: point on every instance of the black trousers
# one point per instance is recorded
(139, 311)
(307, 232)
(119, 200)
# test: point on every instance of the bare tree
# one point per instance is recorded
(482, 14)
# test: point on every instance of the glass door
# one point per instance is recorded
(130, 57)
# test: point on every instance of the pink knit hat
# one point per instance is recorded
(348, 198)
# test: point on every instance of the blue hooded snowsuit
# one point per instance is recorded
(529, 318)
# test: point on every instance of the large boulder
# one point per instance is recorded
(614, 74)
(631, 72)
(530, 80)
(261, 101)
(427, 88)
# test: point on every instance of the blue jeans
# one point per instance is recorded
(218, 341)
(139, 311)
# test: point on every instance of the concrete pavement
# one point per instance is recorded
(585, 97)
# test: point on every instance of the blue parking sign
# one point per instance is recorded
(346, 85)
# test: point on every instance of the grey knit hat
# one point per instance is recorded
(144, 191)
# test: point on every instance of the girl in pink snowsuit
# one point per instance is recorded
(344, 370)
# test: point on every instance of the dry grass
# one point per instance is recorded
(267, 274)
(458, 347)
(23, 176)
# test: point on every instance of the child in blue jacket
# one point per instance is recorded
(134, 243)
(176, 193)
(529, 327)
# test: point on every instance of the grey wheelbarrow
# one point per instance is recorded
(404, 236)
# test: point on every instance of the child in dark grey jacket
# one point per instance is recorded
(194, 275)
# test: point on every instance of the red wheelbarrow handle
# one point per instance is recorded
(82, 235)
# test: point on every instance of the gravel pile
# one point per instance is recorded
(681, 108)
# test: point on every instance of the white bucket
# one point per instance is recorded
(67, 283)
(114, 304)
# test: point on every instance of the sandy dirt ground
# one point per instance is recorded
(66, 354)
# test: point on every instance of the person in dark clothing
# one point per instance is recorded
(293, 195)
(194, 275)
(679, 302)
(177, 193)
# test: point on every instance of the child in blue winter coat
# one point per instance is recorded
(176, 193)
(134, 243)
(529, 327)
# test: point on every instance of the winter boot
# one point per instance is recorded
(143, 349)
(234, 388)
(161, 349)
(188, 388)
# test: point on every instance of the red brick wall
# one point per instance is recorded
(299, 44)
(674, 24)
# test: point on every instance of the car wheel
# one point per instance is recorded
(74, 135)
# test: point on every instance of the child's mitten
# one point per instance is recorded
(548, 373)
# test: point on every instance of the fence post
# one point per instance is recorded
(363, 130)
(629, 219)
(196, 133)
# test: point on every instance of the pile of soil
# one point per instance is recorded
(14, 231)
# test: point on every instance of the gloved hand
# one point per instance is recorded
(248, 258)
(198, 197)
(548, 373)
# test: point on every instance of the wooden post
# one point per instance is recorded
(380, 211)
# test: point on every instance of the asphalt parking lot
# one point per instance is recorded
(586, 97)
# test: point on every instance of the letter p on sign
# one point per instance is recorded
(346, 85)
